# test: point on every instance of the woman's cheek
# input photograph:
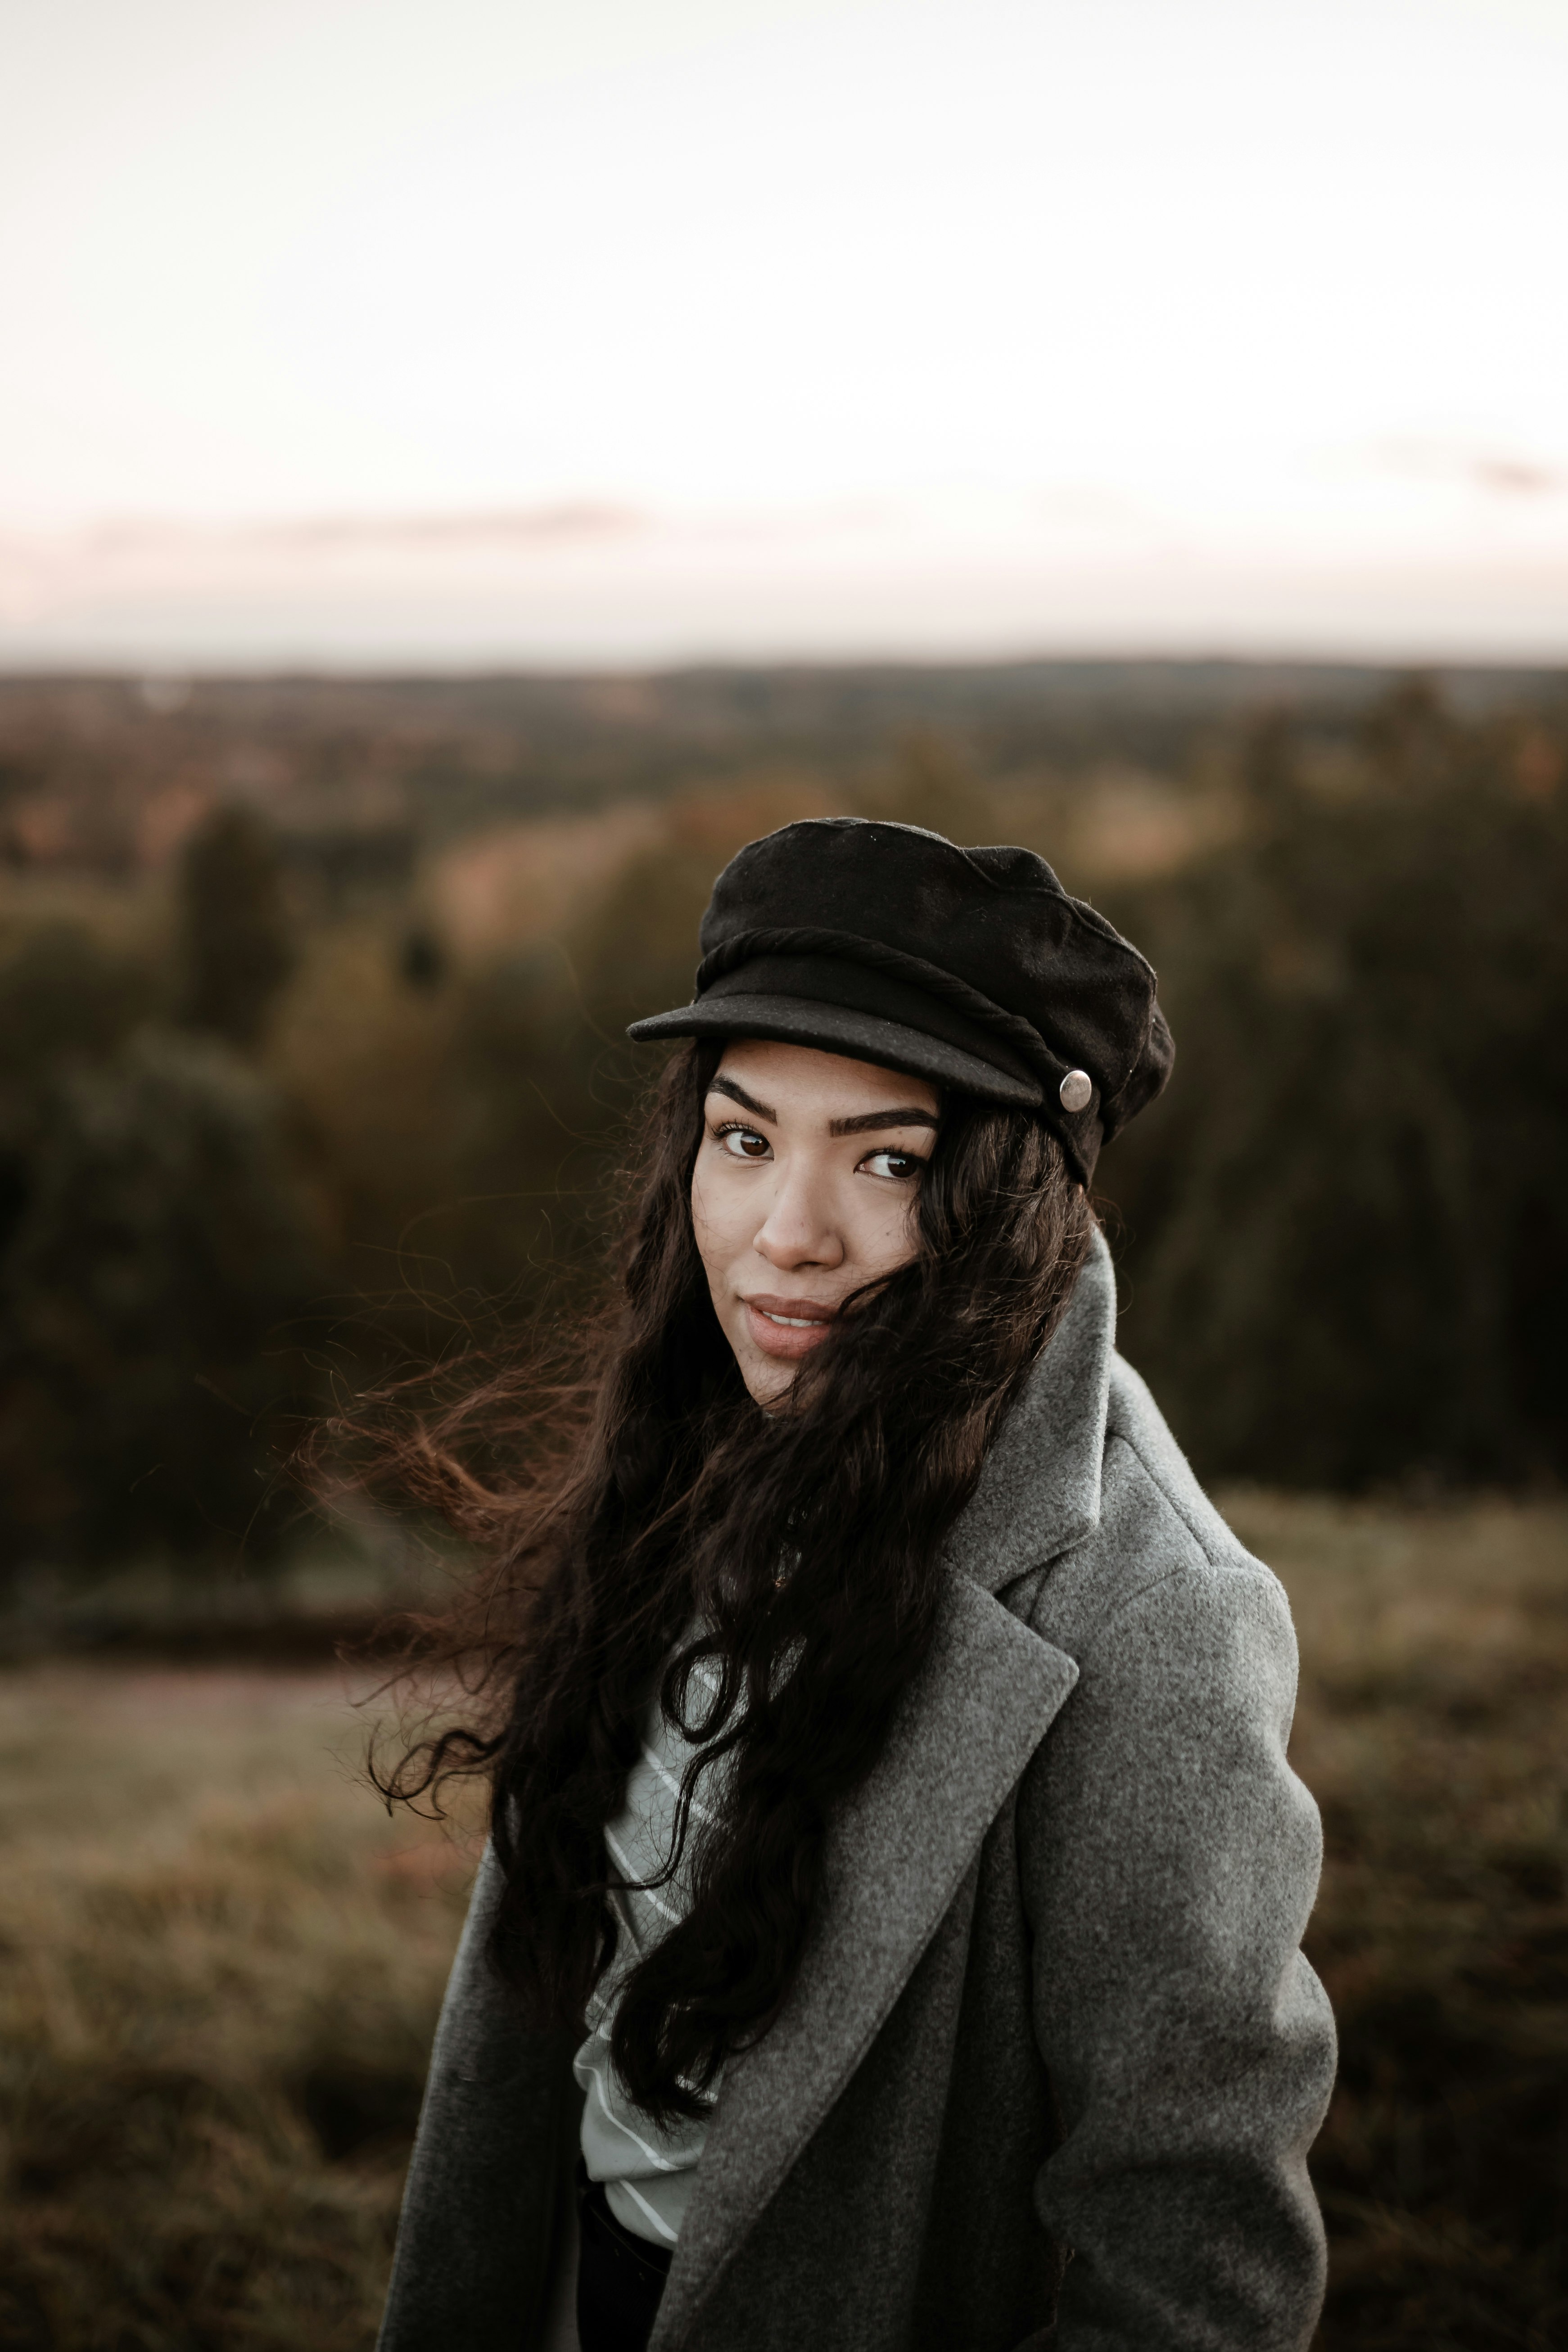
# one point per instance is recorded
(702, 1223)
(895, 1239)
(720, 1212)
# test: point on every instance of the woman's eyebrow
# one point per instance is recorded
(869, 1121)
(746, 1101)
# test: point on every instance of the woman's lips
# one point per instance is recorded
(787, 1327)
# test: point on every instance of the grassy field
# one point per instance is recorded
(219, 1970)
(1431, 1729)
(220, 1964)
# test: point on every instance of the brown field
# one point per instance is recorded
(220, 1964)
(1431, 1729)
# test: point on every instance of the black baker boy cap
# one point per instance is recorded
(970, 967)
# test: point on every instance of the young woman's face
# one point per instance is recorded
(803, 1190)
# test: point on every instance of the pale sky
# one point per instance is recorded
(610, 330)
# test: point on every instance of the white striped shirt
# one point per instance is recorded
(647, 2167)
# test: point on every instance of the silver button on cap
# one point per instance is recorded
(1075, 1089)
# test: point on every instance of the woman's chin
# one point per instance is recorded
(768, 1381)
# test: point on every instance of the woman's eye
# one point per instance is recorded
(743, 1142)
(900, 1166)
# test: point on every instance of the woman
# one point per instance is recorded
(896, 1880)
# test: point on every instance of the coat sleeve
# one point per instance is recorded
(1170, 1858)
(479, 2222)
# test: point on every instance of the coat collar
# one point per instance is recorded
(898, 1852)
(1039, 1490)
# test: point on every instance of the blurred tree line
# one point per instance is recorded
(1346, 1224)
(244, 1154)
(154, 1245)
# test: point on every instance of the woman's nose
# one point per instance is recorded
(799, 1228)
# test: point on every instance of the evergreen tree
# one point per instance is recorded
(235, 943)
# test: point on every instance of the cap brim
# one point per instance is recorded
(838, 1029)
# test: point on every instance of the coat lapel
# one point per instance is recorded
(1039, 1491)
(897, 1856)
(982, 1704)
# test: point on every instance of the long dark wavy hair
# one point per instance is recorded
(667, 1521)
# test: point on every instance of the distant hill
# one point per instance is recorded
(105, 772)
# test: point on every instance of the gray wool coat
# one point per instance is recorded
(1054, 2056)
